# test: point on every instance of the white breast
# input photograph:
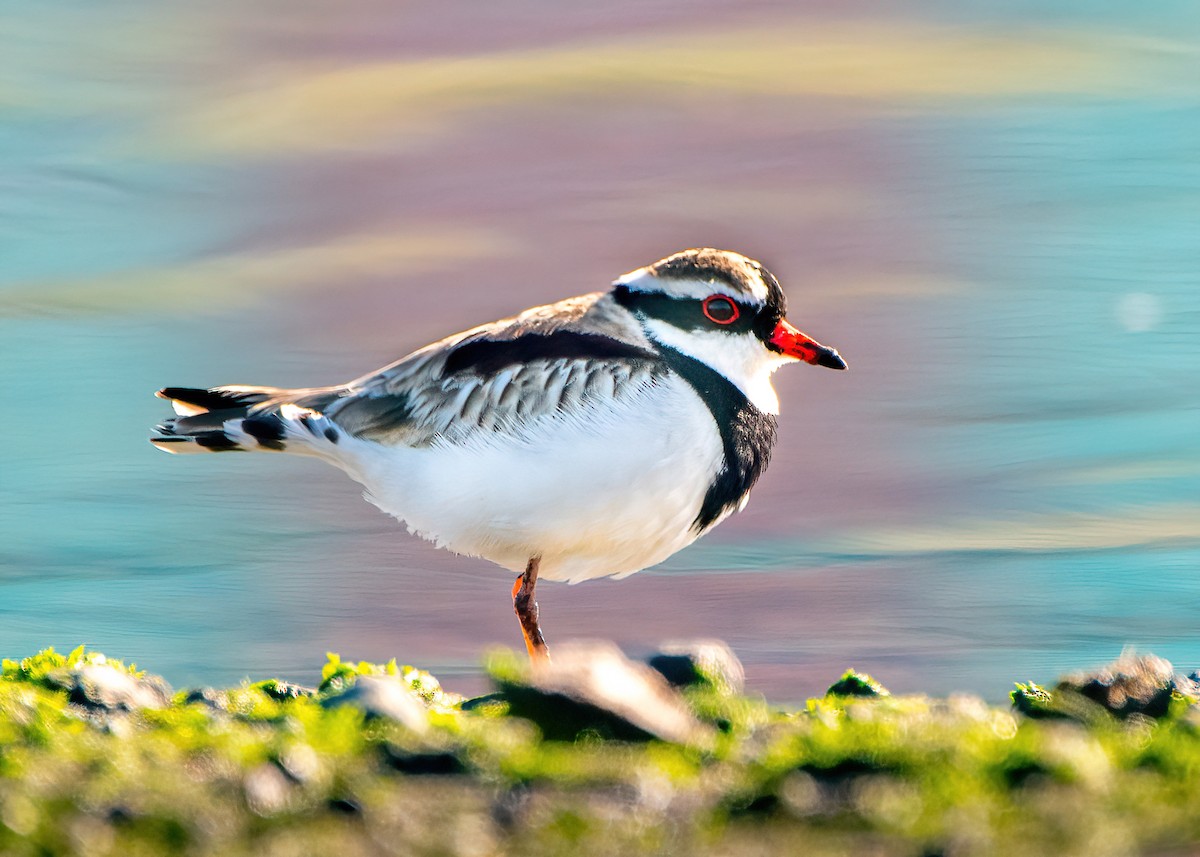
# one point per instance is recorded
(609, 490)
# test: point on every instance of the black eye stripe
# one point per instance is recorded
(688, 313)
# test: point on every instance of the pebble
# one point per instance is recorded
(383, 696)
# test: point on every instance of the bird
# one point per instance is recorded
(587, 438)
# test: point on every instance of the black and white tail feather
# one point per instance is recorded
(245, 419)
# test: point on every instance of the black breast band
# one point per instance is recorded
(747, 435)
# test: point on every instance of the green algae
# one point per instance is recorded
(338, 674)
(265, 767)
(47, 666)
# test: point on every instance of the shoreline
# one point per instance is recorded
(595, 754)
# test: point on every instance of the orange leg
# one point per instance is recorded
(527, 611)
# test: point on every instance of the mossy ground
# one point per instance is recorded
(267, 769)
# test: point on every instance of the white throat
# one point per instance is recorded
(741, 358)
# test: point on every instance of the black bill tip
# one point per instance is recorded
(830, 359)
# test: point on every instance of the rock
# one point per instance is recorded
(1133, 684)
(433, 762)
(485, 702)
(266, 789)
(104, 688)
(1034, 701)
(281, 691)
(592, 686)
(1188, 686)
(383, 696)
(854, 683)
(209, 697)
(344, 806)
(708, 663)
(300, 763)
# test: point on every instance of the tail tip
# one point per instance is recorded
(173, 445)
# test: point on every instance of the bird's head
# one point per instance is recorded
(726, 310)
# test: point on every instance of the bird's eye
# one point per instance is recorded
(720, 309)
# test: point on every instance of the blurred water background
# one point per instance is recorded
(994, 215)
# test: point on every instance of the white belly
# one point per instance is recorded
(609, 491)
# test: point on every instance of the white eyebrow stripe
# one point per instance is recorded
(643, 280)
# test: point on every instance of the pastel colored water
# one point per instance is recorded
(995, 218)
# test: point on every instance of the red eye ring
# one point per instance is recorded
(720, 310)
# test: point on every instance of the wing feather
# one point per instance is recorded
(503, 378)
